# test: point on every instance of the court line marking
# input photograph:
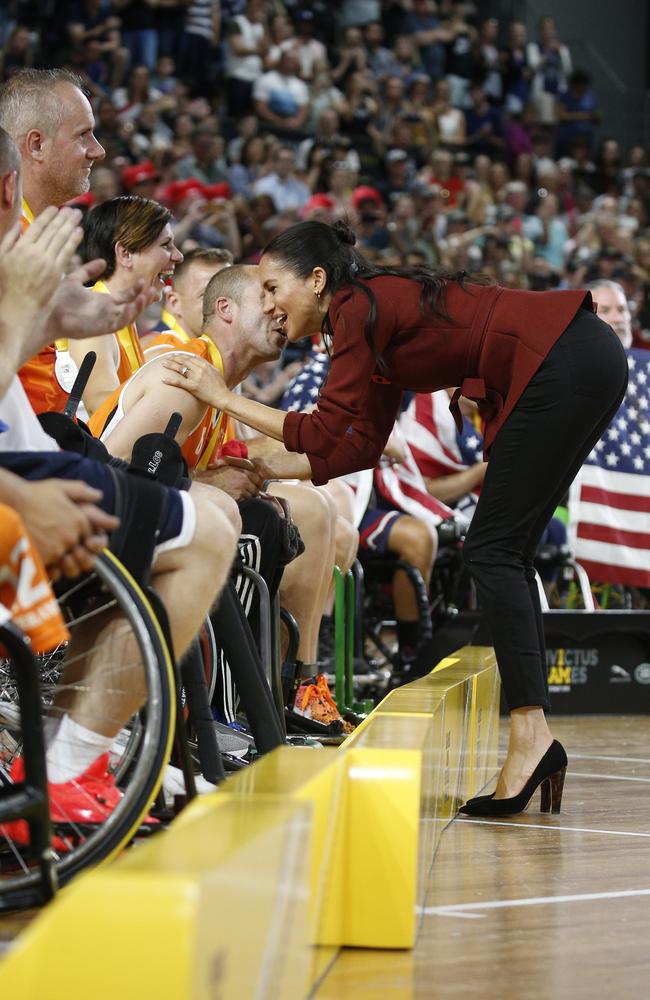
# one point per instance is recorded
(607, 777)
(464, 909)
(544, 826)
(595, 756)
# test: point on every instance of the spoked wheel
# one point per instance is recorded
(116, 675)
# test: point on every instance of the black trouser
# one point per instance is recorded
(259, 548)
(535, 457)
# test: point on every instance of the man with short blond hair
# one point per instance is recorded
(49, 117)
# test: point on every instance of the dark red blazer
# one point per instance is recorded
(489, 349)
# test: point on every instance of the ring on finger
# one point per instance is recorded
(185, 371)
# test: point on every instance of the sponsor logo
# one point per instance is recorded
(642, 673)
(618, 675)
(569, 667)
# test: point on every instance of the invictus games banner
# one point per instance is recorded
(598, 661)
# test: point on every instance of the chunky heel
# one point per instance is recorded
(552, 789)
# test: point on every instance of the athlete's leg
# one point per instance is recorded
(306, 580)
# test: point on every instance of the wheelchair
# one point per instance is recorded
(450, 591)
(112, 626)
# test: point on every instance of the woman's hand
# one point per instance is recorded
(197, 376)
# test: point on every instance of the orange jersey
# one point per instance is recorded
(130, 356)
(202, 444)
(40, 375)
(26, 597)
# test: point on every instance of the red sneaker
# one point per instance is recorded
(71, 802)
(100, 782)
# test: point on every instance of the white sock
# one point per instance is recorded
(174, 784)
(51, 725)
(73, 750)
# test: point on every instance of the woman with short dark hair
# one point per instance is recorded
(134, 237)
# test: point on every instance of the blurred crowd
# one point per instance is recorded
(442, 136)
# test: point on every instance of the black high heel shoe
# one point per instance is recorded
(549, 773)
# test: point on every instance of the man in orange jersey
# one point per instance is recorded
(66, 501)
(234, 336)
(51, 121)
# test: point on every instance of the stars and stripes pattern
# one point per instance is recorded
(609, 506)
(302, 393)
(437, 447)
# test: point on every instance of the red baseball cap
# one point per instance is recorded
(365, 193)
(177, 191)
(317, 201)
(138, 173)
(213, 191)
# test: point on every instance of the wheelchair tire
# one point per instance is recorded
(148, 736)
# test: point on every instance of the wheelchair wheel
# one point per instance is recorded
(115, 637)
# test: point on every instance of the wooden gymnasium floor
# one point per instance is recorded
(536, 907)
(531, 908)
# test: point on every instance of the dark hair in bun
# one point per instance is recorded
(344, 233)
(312, 244)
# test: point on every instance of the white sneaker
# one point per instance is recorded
(173, 783)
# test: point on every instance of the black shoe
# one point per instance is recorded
(549, 773)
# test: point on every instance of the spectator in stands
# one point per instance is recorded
(483, 124)
(441, 172)
(103, 185)
(138, 92)
(490, 60)
(139, 31)
(253, 159)
(399, 178)
(353, 57)
(576, 113)
(449, 121)
(613, 307)
(462, 59)
(548, 230)
(206, 162)
(381, 61)
(247, 44)
(281, 98)
(422, 24)
(407, 59)
(17, 52)
(516, 69)
(550, 62)
(282, 184)
(95, 21)
(311, 53)
(198, 43)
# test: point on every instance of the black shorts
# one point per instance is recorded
(178, 519)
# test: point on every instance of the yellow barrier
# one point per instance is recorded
(253, 888)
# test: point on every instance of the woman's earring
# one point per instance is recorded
(317, 294)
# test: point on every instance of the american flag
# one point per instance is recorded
(431, 432)
(609, 502)
(438, 448)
